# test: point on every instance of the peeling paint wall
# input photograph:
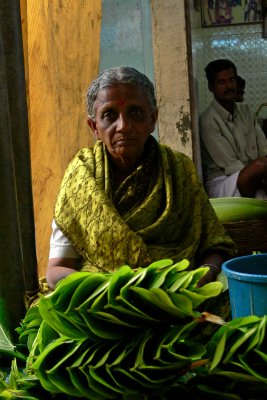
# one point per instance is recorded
(171, 74)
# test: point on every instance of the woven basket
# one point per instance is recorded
(250, 235)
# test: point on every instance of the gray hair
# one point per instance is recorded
(116, 76)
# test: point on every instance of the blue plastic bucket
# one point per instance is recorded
(247, 281)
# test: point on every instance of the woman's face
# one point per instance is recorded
(123, 121)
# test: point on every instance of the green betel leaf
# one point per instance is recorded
(131, 380)
(16, 394)
(238, 376)
(184, 304)
(7, 348)
(158, 265)
(186, 350)
(65, 288)
(136, 280)
(96, 352)
(100, 389)
(101, 376)
(62, 382)
(85, 289)
(32, 315)
(130, 316)
(127, 389)
(157, 299)
(232, 327)
(197, 275)
(155, 379)
(103, 329)
(139, 359)
(79, 381)
(89, 333)
(118, 280)
(199, 295)
(71, 353)
(240, 322)
(5, 341)
(94, 296)
(126, 302)
(262, 330)
(35, 323)
(125, 349)
(113, 320)
(255, 364)
(181, 265)
(159, 277)
(178, 280)
(173, 334)
(48, 359)
(258, 337)
(219, 351)
(244, 337)
(59, 322)
(105, 350)
(100, 302)
(208, 391)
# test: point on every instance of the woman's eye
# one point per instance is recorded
(136, 112)
(109, 115)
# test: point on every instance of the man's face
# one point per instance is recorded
(224, 86)
(123, 121)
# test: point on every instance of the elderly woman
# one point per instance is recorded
(130, 200)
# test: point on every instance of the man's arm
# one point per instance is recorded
(252, 177)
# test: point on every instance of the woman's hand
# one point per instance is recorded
(214, 262)
(211, 276)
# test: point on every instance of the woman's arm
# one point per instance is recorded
(59, 268)
(214, 261)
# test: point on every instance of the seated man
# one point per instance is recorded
(233, 146)
(130, 200)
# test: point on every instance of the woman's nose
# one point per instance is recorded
(123, 123)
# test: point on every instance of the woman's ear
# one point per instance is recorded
(92, 124)
(154, 118)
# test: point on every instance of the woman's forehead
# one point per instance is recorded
(120, 94)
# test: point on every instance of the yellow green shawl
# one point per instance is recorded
(169, 216)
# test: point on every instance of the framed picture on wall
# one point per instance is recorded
(230, 12)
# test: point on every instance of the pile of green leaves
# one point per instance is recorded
(238, 362)
(130, 335)
(126, 333)
(103, 335)
(240, 346)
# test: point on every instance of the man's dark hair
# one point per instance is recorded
(216, 66)
(240, 82)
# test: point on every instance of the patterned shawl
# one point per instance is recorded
(159, 211)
